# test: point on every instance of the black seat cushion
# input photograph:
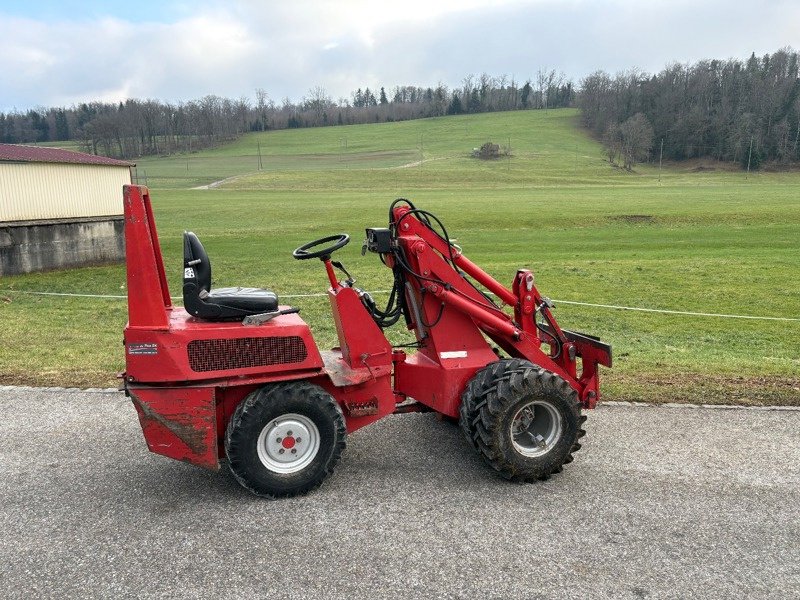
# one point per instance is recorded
(221, 304)
(251, 299)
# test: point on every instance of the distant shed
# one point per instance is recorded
(59, 208)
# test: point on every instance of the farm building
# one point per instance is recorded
(59, 208)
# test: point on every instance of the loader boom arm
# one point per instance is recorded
(450, 316)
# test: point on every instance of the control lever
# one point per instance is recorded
(262, 318)
(350, 281)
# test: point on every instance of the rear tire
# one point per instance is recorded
(523, 420)
(284, 439)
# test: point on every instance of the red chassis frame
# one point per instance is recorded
(187, 376)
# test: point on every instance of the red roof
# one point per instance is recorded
(19, 153)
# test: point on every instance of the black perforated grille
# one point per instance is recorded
(241, 353)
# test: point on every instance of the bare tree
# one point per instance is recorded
(612, 142)
(318, 103)
(637, 140)
(264, 106)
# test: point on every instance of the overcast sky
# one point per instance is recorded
(58, 52)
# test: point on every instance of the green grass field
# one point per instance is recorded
(65, 145)
(702, 239)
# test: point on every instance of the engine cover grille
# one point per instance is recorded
(242, 353)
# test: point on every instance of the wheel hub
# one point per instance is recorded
(536, 428)
(288, 443)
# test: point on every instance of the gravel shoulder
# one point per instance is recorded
(660, 503)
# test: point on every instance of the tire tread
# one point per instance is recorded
(247, 411)
(489, 396)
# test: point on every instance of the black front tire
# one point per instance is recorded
(474, 396)
(490, 412)
(260, 421)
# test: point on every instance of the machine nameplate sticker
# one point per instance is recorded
(453, 354)
(142, 348)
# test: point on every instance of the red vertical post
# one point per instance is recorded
(148, 293)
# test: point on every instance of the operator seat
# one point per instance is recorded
(224, 303)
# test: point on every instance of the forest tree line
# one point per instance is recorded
(136, 128)
(729, 110)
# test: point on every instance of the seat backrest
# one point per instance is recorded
(196, 266)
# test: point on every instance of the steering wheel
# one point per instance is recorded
(339, 241)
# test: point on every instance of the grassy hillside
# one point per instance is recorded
(706, 241)
(548, 148)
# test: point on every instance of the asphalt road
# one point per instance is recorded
(660, 503)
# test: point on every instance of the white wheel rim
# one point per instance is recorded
(288, 443)
(536, 428)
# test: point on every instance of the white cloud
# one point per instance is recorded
(231, 48)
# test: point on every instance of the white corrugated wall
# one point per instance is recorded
(31, 191)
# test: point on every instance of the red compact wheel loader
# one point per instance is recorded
(235, 375)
